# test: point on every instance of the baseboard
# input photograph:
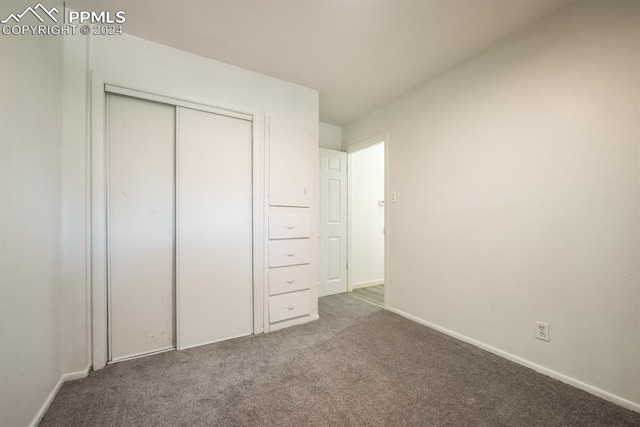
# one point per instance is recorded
(367, 284)
(315, 317)
(524, 362)
(76, 375)
(63, 378)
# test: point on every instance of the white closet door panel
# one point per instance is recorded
(141, 227)
(214, 227)
(292, 145)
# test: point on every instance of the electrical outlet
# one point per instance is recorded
(542, 331)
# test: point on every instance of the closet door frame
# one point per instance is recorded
(97, 262)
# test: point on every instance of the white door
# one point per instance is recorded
(333, 222)
(290, 159)
(214, 227)
(141, 227)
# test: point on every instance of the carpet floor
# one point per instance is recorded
(357, 365)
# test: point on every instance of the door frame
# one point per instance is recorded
(367, 143)
(98, 172)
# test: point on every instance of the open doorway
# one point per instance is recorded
(366, 210)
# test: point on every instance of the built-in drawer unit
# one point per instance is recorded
(289, 279)
(289, 225)
(288, 306)
(289, 252)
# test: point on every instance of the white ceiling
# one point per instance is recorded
(359, 54)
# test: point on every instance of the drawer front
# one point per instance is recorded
(289, 279)
(288, 306)
(289, 225)
(289, 252)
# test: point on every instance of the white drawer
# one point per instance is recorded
(289, 279)
(289, 252)
(289, 225)
(288, 306)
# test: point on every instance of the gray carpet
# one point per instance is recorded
(357, 365)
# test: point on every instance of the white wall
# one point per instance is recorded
(517, 177)
(330, 137)
(150, 65)
(75, 209)
(30, 221)
(366, 189)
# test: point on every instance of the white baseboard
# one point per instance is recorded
(63, 378)
(538, 368)
(76, 375)
(315, 317)
(367, 284)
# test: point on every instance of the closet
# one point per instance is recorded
(179, 221)
(292, 235)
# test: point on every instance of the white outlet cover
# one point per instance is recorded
(542, 331)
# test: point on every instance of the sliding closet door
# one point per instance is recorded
(141, 227)
(214, 227)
